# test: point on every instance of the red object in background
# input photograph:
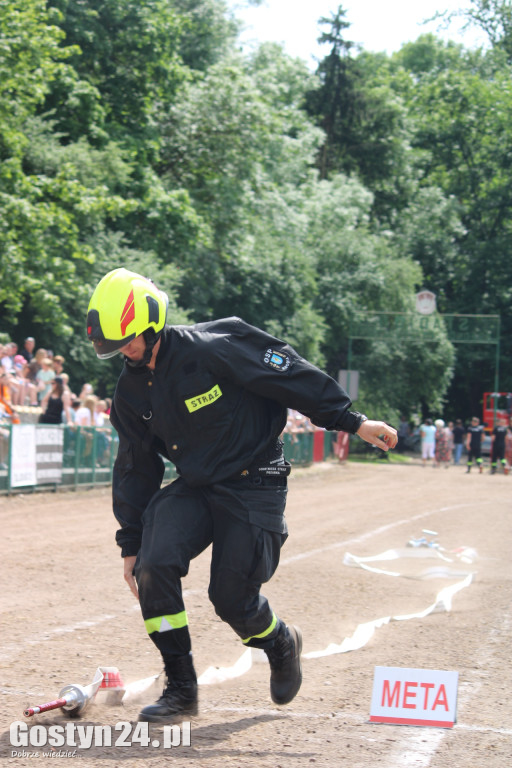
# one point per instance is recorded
(318, 445)
(503, 408)
(342, 445)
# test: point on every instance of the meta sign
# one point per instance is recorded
(414, 697)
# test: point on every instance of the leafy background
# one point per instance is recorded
(136, 133)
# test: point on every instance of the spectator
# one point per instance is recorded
(458, 437)
(99, 413)
(43, 378)
(5, 387)
(39, 356)
(7, 361)
(10, 385)
(508, 446)
(18, 381)
(442, 452)
(449, 434)
(87, 389)
(8, 411)
(5, 422)
(84, 416)
(404, 431)
(28, 389)
(65, 378)
(58, 364)
(297, 423)
(52, 404)
(102, 430)
(75, 406)
(28, 348)
(428, 441)
(30, 373)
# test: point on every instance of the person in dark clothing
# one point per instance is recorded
(404, 431)
(53, 403)
(474, 444)
(498, 446)
(458, 440)
(213, 399)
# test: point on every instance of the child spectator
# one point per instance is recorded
(84, 416)
(38, 358)
(18, 381)
(75, 405)
(7, 361)
(43, 378)
(58, 364)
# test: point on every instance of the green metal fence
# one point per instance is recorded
(88, 455)
(298, 448)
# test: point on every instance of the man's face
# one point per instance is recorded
(135, 349)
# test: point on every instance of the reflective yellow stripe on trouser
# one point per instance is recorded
(166, 623)
(265, 633)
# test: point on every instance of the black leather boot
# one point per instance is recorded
(285, 666)
(179, 697)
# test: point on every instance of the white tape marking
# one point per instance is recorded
(369, 535)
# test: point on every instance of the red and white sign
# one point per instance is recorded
(425, 302)
(414, 697)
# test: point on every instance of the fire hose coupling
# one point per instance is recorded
(74, 698)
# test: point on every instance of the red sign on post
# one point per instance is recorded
(414, 697)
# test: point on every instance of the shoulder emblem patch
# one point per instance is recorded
(277, 360)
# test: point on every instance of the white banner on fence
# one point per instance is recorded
(23, 455)
(49, 448)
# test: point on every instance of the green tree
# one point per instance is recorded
(365, 122)
(460, 110)
(360, 271)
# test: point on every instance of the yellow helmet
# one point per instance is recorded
(124, 305)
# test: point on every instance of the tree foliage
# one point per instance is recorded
(136, 134)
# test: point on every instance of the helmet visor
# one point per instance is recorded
(106, 348)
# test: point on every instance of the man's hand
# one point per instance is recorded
(129, 564)
(378, 433)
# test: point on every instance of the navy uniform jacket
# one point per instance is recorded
(500, 433)
(217, 398)
(476, 434)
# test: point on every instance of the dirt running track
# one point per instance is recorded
(66, 611)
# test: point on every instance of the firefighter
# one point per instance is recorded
(474, 436)
(499, 434)
(212, 398)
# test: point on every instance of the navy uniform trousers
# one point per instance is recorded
(243, 519)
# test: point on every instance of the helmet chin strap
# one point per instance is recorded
(151, 338)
